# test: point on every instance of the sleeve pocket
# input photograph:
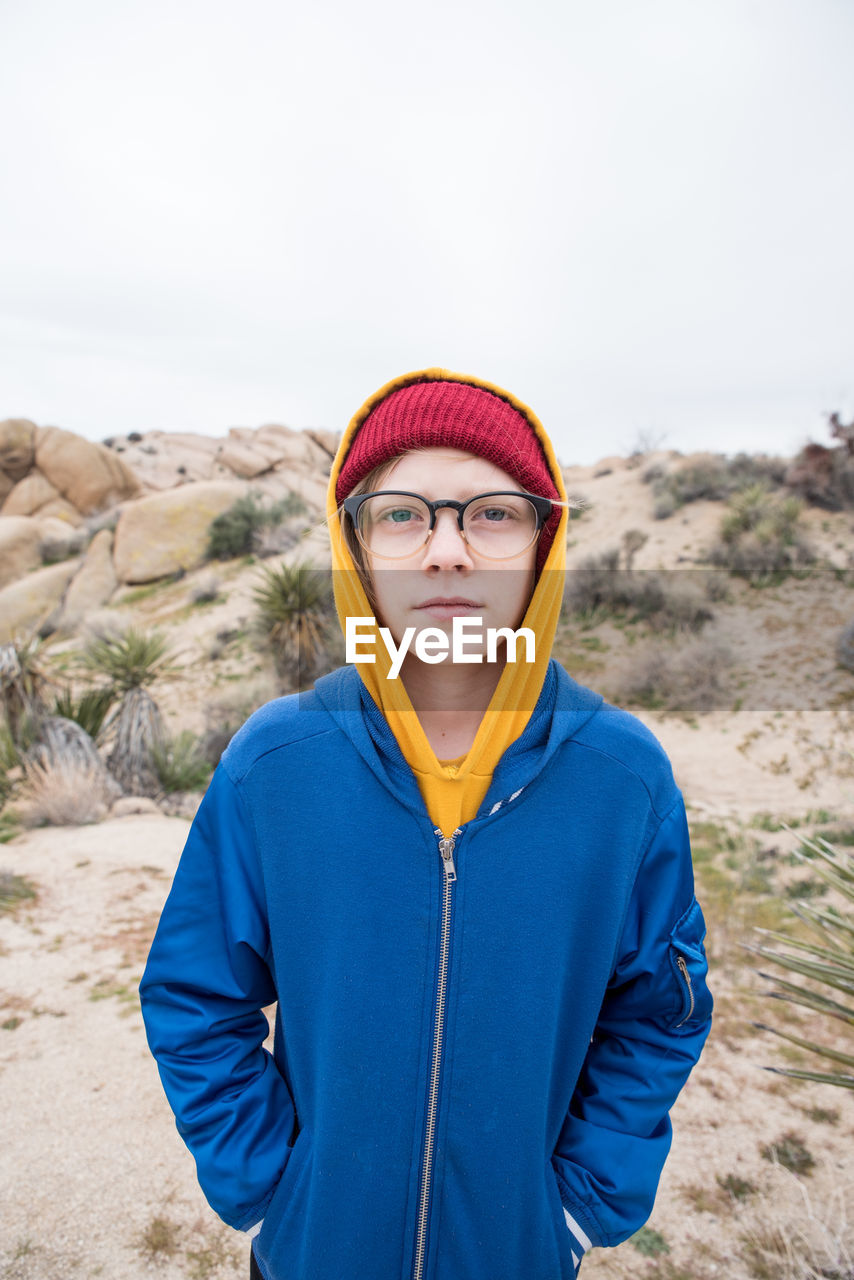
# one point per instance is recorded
(689, 966)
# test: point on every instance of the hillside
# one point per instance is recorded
(738, 677)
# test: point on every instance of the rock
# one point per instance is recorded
(243, 460)
(87, 474)
(60, 539)
(309, 485)
(92, 585)
(17, 447)
(127, 805)
(29, 495)
(27, 605)
(165, 532)
(61, 509)
(20, 547)
(327, 440)
(64, 741)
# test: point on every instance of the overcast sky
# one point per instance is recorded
(635, 214)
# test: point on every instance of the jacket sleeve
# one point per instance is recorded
(204, 986)
(652, 1025)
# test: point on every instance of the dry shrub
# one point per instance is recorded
(689, 678)
(798, 1235)
(226, 713)
(665, 600)
(710, 477)
(760, 536)
(63, 792)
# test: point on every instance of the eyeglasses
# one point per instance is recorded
(393, 524)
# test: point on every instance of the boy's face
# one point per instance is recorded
(446, 578)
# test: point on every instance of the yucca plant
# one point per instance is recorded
(129, 660)
(294, 610)
(24, 680)
(825, 966)
(128, 663)
(89, 710)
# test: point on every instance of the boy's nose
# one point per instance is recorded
(446, 547)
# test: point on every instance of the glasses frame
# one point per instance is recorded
(542, 506)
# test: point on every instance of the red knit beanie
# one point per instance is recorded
(453, 415)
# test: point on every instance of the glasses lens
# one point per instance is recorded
(393, 525)
(500, 525)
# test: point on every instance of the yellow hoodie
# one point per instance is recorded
(453, 792)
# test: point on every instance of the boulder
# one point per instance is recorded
(87, 474)
(92, 585)
(60, 539)
(17, 447)
(243, 460)
(29, 495)
(26, 605)
(327, 440)
(128, 805)
(165, 532)
(61, 741)
(20, 547)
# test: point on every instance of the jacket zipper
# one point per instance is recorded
(682, 966)
(449, 875)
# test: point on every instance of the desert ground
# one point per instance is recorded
(95, 1181)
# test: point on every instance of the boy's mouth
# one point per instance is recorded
(449, 606)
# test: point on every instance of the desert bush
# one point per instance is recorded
(794, 1235)
(845, 647)
(180, 763)
(712, 477)
(89, 709)
(228, 711)
(9, 758)
(294, 615)
(791, 1152)
(688, 679)
(825, 476)
(600, 588)
(63, 792)
(126, 660)
(14, 890)
(760, 536)
(206, 590)
(24, 681)
(823, 964)
(160, 1239)
(237, 530)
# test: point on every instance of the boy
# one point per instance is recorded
(467, 885)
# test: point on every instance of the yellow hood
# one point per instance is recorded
(453, 794)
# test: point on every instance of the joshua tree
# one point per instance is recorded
(23, 685)
(129, 662)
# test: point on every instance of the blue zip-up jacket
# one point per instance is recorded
(477, 1041)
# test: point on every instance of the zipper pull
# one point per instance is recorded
(682, 966)
(446, 849)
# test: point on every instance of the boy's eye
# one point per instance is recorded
(397, 514)
(494, 512)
